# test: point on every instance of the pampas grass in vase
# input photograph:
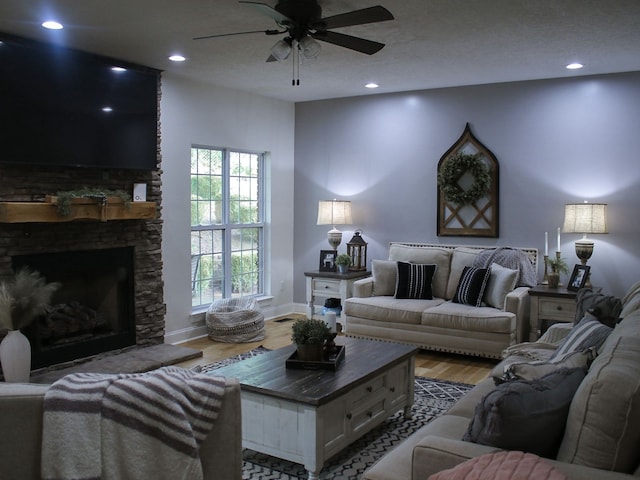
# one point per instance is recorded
(22, 300)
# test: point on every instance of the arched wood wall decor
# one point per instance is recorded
(480, 217)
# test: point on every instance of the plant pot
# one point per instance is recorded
(15, 357)
(554, 279)
(343, 268)
(310, 352)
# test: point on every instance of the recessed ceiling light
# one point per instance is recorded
(118, 69)
(177, 58)
(107, 109)
(52, 25)
(574, 66)
(372, 85)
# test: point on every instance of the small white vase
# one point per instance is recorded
(15, 357)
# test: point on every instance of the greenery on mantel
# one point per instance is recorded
(101, 195)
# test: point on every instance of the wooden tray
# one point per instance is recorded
(328, 363)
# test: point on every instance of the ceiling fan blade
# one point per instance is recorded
(266, 32)
(268, 10)
(347, 41)
(358, 17)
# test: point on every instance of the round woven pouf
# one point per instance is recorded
(235, 320)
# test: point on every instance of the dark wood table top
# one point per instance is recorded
(267, 373)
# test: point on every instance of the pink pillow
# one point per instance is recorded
(505, 465)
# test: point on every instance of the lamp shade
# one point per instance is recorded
(334, 212)
(585, 218)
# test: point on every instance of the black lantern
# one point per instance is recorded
(357, 250)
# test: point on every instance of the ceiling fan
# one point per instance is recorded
(302, 21)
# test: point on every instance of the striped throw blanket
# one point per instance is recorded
(133, 426)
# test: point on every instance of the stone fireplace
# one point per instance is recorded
(92, 311)
(121, 256)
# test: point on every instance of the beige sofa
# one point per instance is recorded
(21, 434)
(440, 324)
(601, 439)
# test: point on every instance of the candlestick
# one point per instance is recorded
(558, 239)
(545, 278)
(546, 244)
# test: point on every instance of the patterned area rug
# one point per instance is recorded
(432, 398)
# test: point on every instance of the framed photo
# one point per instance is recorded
(578, 277)
(327, 260)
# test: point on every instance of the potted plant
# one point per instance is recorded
(558, 266)
(310, 335)
(343, 262)
(22, 299)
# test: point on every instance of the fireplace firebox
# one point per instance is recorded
(93, 310)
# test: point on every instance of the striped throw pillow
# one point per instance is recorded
(414, 281)
(471, 286)
(587, 333)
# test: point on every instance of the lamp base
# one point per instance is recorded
(584, 250)
(334, 237)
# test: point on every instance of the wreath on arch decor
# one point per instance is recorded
(455, 167)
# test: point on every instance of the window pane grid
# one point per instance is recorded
(226, 184)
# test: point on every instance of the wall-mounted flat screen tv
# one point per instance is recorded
(64, 107)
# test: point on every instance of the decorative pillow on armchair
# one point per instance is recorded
(526, 415)
(414, 280)
(384, 273)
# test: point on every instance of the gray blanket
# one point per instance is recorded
(512, 258)
(133, 426)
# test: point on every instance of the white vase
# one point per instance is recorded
(15, 357)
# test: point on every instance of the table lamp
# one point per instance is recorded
(334, 212)
(585, 218)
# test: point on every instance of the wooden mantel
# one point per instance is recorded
(45, 212)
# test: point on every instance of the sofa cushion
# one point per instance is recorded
(527, 415)
(389, 309)
(471, 286)
(517, 369)
(460, 258)
(427, 255)
(384, 273)
(468, 318)
(414, 281)
(602, 423)
(502, 466)
(589, 332)
(502, 280)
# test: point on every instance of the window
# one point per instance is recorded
(227, 230)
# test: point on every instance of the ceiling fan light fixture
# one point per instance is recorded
(281, 50)
(310, 47)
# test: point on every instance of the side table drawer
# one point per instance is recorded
(322, 286)
(557, 309)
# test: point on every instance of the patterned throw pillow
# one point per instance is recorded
(414, 281)
(471, 286)
(588, 332)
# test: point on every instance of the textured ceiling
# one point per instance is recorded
(430, 44)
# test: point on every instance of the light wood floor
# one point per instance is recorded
(457, 368)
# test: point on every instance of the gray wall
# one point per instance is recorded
(557, 141)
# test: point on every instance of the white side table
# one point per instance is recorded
(330, 285)
(550, 305)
